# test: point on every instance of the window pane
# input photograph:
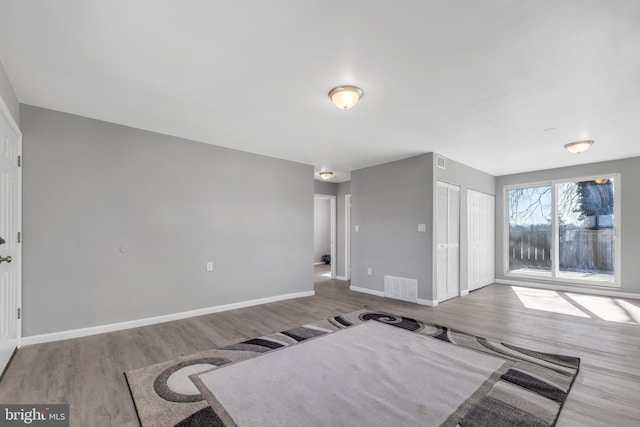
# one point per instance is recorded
(530, 215)
(585, 220)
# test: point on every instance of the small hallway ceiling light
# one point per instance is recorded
(326, 175)
(578, 147)
(345, 97)
(601, 181)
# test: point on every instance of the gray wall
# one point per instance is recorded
(630, 211)
(321, 229)
(343, 189)
(324, 187)
(119, 224)
(388, 202)
(467, 178)
(8, 95)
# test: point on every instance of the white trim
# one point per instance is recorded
(427, 302)
(563, 288)
(93, 330)
(332, 228)
(560, 280)
(366, 291)
(347, 236)
(464, 292)
(343, 278)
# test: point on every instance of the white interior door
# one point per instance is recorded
(447, 241)
(481, 239)
(10, 254)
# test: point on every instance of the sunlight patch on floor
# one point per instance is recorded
(633, 310)
(545, 300)
(581, 305)
(326, 275)
(607, 308)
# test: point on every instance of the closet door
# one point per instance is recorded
(481, 239)
(447, 241)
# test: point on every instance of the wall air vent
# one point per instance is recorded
(440, 162)
(401, 288)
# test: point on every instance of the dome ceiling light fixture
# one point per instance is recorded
(345, 97)
(578, 147)
(326, 175)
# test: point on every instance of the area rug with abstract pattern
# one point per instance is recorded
(362, 368)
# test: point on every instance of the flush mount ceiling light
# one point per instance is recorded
(578, 147)
(601, 181)
(326, 175)
(345, 97)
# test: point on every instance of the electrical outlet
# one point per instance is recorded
(369, 272)
(209, 266)
(356, 228)
(422, 228)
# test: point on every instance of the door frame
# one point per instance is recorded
(4, 110)
(332, 228)
(347, 236)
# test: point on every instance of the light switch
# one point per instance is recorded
(356, 228)
(369, 271)
(422, 228)
(209, 266)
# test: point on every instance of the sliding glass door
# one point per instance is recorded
(564, 230)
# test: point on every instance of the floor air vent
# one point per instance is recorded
(401, 288)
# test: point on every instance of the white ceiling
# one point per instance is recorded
(478, 81)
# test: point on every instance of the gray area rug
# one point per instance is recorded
(366, 374)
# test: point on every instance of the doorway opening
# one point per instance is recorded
(324, 236)
(347, 237)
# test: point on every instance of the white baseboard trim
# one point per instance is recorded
(343, 278)
(94, 330)
(564, 288)
(428, 302)
(318, 263)
(366, 291)
(464, 292)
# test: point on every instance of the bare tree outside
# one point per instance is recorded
(530, 218)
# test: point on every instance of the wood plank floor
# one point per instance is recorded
(87, 372)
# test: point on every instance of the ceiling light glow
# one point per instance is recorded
(578, 147)
(345, 97)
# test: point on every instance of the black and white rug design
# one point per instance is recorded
(528, 389)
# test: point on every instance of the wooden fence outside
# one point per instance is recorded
(580, 249)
